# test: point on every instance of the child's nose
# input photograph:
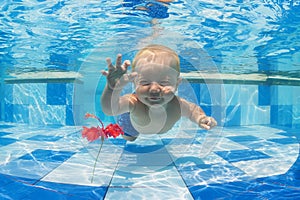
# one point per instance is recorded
(155, 88)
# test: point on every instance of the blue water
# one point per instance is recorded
(252, 154)
(238, 35)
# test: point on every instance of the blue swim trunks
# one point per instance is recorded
(125, 122)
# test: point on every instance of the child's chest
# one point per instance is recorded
(146, 120)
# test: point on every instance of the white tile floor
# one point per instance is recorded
(159, 166)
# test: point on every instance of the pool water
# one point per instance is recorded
(250, 162)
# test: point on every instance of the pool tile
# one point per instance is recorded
(255, 115)
(16, 190)
(6, 141)
(68, 191)
(233, 97)
(274, 187)
(285, 118)
(264, 95)
(46, 193)
(196, 131)
(48, 155)
(176, 141)
(184, 148)
(88, 158)
(261, 145)
(250, 141)
(222, 144)
(162, 192)
(28, 169)
(23, 113)
(79, 168)
(208, 174)
(244, 138)
(116, 141)
(8, 116)
(241, 155)
(287, 140)
(47, 138)
(187, 160)
(69, 115)
(288, 180)
(5, 179)
(106, 148)
(5, 126)
(143, 149)
(235, 115)
(280, 151)
(196, 158)
(56, 93)
(229, 191)
(265, 167)
(270, 191)
(251, 189)
(144, 159)
(14, 151)
(146, 176)
(2, 133)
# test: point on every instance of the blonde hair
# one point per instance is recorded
(158, 54)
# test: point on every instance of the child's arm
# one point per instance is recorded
(196, 114)
(111, 101)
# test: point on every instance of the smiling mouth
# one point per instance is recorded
(154, 98)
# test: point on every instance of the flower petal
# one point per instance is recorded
(91, 134)
(113, 130)
(89, 115)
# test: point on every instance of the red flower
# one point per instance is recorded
(93, 133)
(113, 130)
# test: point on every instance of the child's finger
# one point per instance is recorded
(126, 64)
(208, 121)
(206, 127)
(109, 64)
(213, 122)
(119, 61)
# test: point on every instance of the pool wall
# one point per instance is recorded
(52, 103)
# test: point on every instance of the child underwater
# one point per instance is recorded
(153, 108)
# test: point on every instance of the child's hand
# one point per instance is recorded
(117, 75)
(207, 122)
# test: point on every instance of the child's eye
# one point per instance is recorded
(164, 83)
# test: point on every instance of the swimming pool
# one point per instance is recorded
(240, 63)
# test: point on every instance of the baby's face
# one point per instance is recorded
(156, 84)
